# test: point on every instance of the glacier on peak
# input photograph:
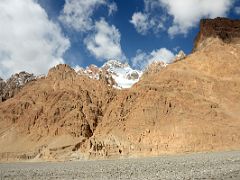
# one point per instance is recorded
(120, 74)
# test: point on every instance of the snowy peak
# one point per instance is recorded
(113, 72)
(91, 71)
(115, 64)
(12, 85)
(20, 79)
(122, 73)
(180, 56)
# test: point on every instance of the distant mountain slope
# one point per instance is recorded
(12, 86)
(191, 105)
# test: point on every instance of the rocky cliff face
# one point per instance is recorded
(2, 87)
(13, 85)
(225, 29)
(154, 68)
(191, 105)
(62, 108)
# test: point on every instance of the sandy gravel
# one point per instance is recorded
(224, 165)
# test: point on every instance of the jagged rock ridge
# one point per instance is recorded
(191, 105)
(114, 73)
(13, 85)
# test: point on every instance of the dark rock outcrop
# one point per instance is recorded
(2, 87)
(223, 28)
(13, 85)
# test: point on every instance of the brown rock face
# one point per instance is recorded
(225, 29)
(61, 72)
(154, 68)
(62, 109)
(191, 105)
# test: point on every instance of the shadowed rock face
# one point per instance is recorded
(13, 85)
(223, 28)
(2, 86)
(60, 108)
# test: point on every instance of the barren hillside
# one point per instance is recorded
(191, 105)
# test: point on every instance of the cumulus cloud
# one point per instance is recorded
(104, 42)
(143, 59)
(112, 8)
(77, 14)
(185, 13)
(29, 40)
(147, 20)
(237, 10)
(140, 21)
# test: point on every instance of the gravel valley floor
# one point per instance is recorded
(220, 165)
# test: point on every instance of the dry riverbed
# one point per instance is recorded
(221, 165)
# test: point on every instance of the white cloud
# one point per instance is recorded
(143, 59)
(112, 8)
(29, 41)
(145, 22)
(140, 21)
(149, 20)
(185, 13)
(237, 10)
(104, 42)
(77, 14)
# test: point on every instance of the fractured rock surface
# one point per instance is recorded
(223, 28)
(13, 85)
(191, 105)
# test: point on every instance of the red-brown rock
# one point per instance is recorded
(223, 28)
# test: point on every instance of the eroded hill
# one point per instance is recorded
(191, 105)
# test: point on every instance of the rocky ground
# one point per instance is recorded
(221, 165)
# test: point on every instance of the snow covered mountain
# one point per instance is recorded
(119, 75)
(122, 73)
(114, 73)
(13, 85)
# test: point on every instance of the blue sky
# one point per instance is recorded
(131, 40)
(84, 32)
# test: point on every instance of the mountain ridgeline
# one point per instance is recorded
(191, 105)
